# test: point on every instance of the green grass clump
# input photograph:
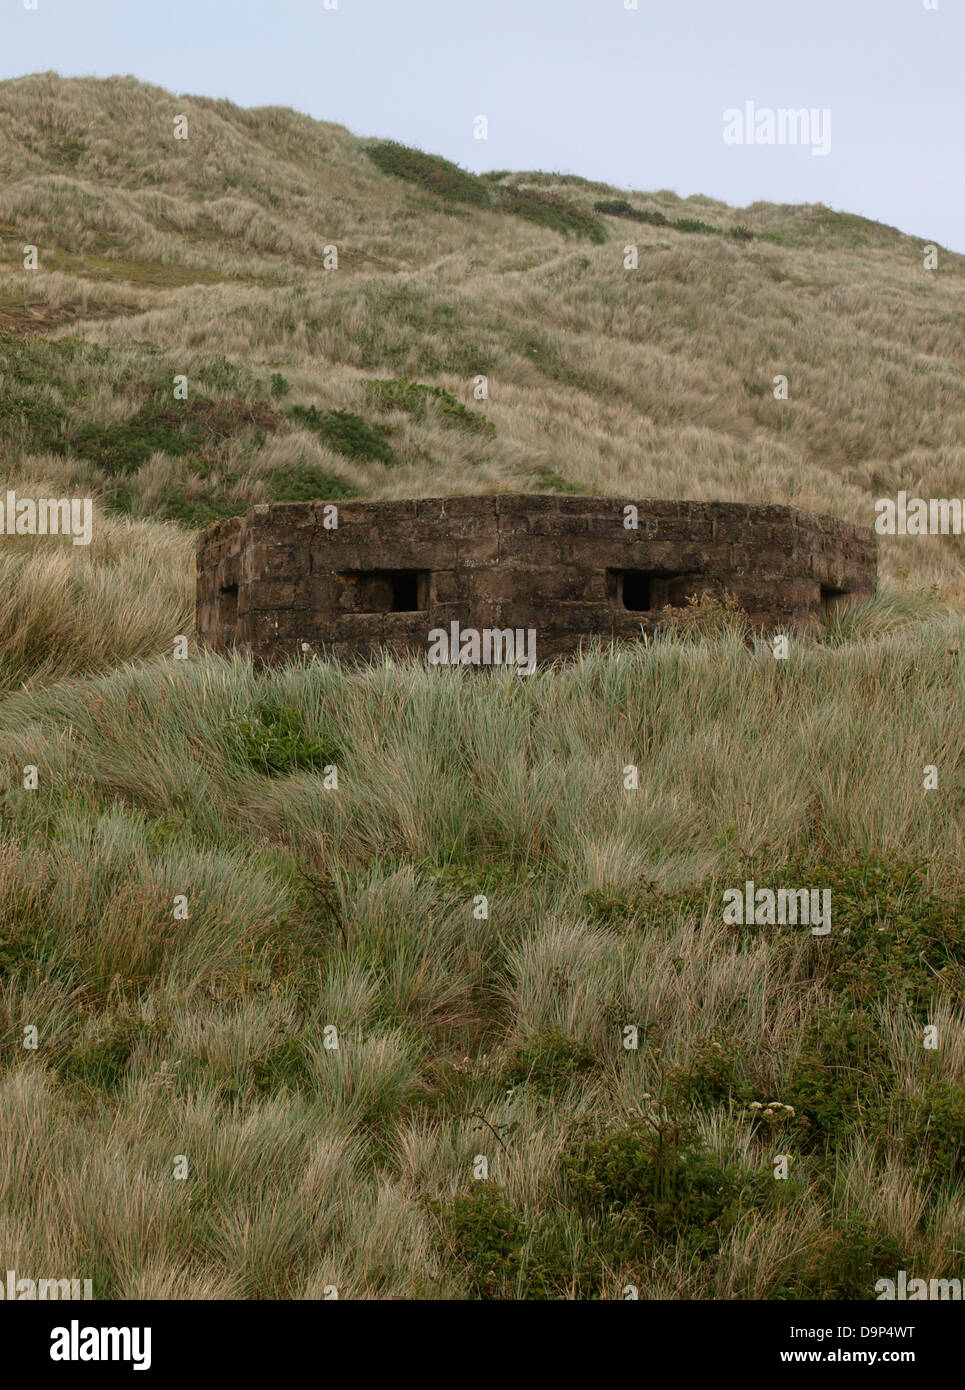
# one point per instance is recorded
(430, 171)
(100, 1062)
(344, 432)
(286, 1067)
(37, 390)
(41, 363)
(413, 397)
(34, 418)
(553, 481)
(272, 740)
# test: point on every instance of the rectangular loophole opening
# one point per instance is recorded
(393, 591)
(645, 591)
(228, 605)
(830, 596)
(636, 590)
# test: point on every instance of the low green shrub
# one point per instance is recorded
(707, 1078)
(840, 1075)
(430, 171)
(553, 480)
(344, 432)
(547, 1063)
(195, 513)
(619, 207)
(691, 224)
(610, 907)
(197, 426)
(413, 397)
(504, 1254)
(658, 1176)
(932, 1127)
(551, 211)
(845, 1263)
(891, 933)
(287, 1067)
(304, 482)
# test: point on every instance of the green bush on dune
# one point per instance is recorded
(344, 432)
(413, 398)
(452, 184)
(431, 171)
(551, 211)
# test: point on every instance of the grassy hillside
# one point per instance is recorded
(205, 257)
(183, 1126)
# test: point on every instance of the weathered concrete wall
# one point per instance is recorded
(278, 578)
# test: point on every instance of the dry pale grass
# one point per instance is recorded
(67, 609)
(464, 1037)
(653, 382)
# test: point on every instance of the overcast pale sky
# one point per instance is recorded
(630, 96)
